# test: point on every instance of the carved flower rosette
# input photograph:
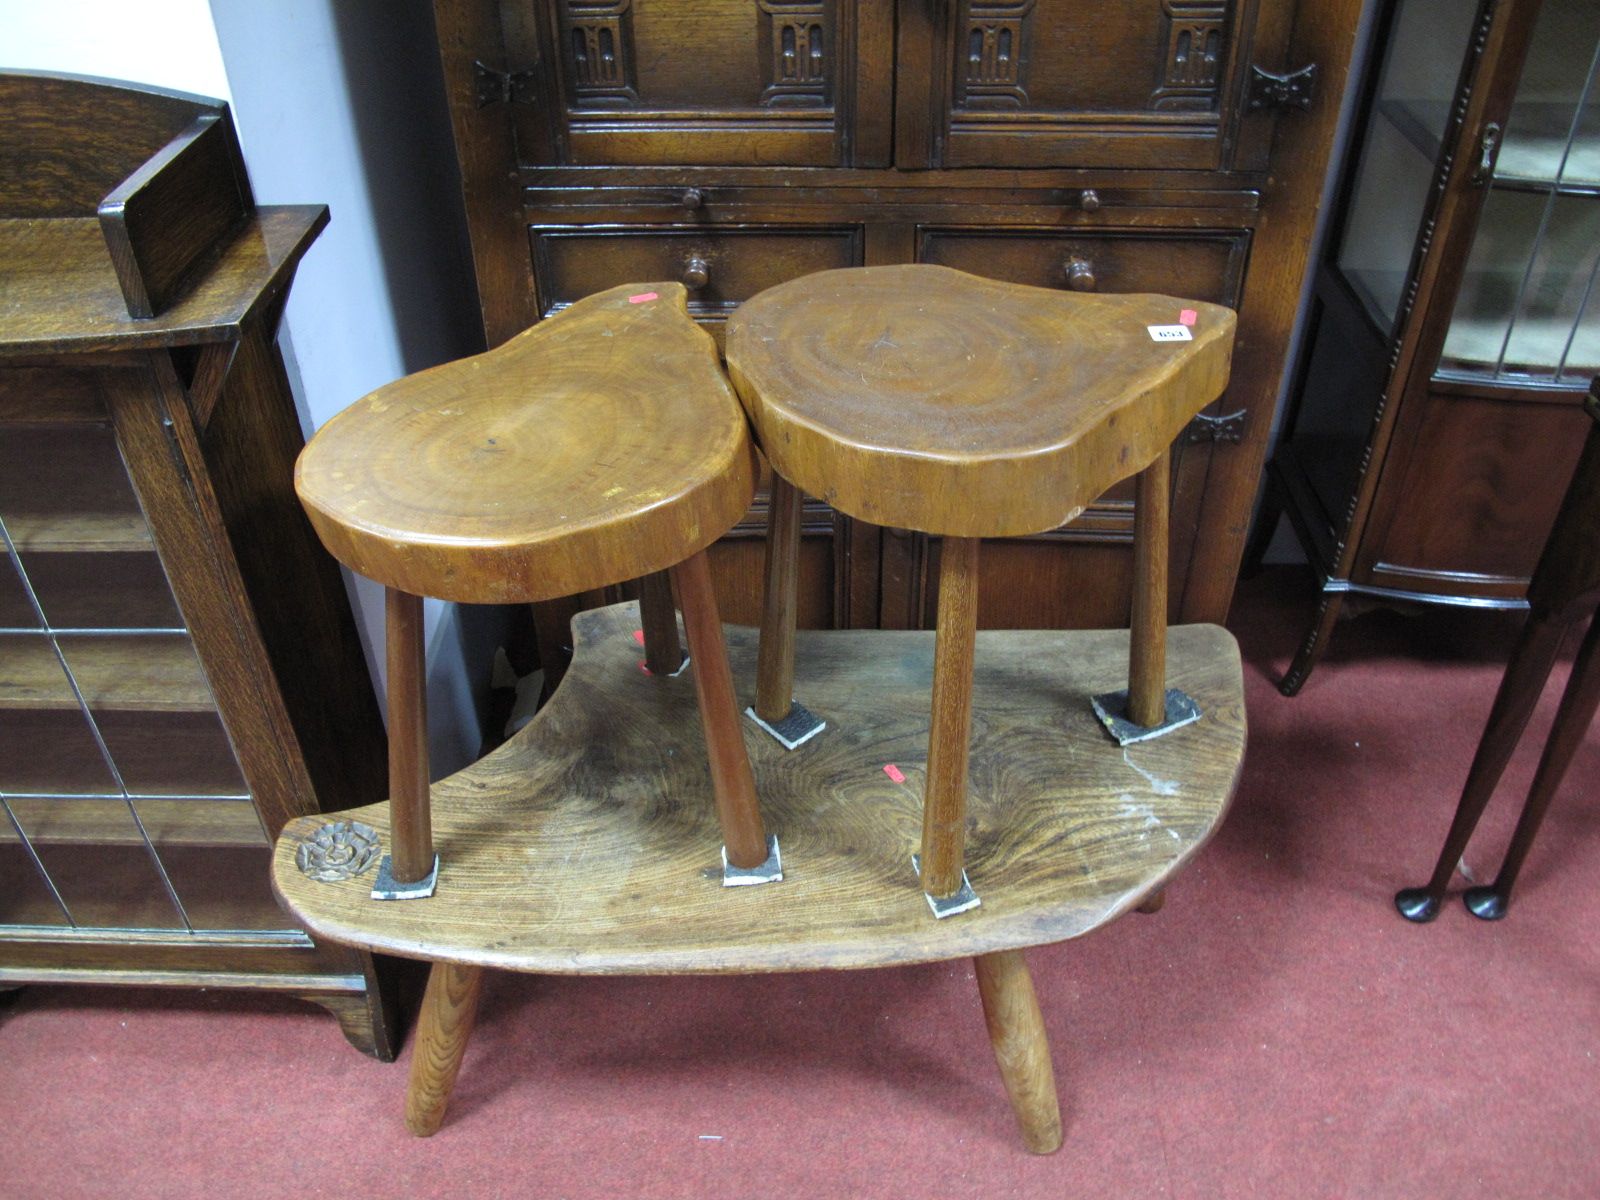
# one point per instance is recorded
(339, 850)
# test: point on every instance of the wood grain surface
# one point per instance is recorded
(62, 293)
(444, 1027)
(598, 446)
(926, 398)
(588, 843)
(1021, 1049)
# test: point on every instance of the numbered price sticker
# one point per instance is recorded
(1170, 333)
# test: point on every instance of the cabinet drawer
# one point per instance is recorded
(1194, 266)
(720, 267)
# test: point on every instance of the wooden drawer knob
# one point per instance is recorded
(1089, 201)
(696, 273)
(1080, 274)
(692, 198)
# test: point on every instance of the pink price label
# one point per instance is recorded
(894, 772)
(638, 636)
(643, 298)
(1188, 317)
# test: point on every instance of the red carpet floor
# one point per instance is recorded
(1277, 1031)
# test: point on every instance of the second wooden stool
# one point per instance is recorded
(929, 399)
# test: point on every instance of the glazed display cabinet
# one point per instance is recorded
(1438, 410)
(179, 669)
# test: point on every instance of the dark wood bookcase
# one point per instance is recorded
(180, 672)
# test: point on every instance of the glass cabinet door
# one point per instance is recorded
(1405, 132)
(1526, 310)
(124, 806)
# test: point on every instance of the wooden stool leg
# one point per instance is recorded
(410, 820)
(659, 616)
(775, 657)
(1578, 704)
(944, 809)
(449, 1008)
(1016, 1031)
(1520, 686)
(1147, 649)
(734, 786)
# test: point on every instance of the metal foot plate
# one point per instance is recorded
(959, 901)
(385, 887)
(1112, 709)
(800, 726)
(770, 871)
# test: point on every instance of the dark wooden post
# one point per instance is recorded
(659, 616)
(410, 819)
(944, 810)
(775, 657)
(732, 782)
(1147, 650)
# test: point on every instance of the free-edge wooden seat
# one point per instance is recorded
(585, 845)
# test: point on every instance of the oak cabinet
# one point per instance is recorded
(1172, 146)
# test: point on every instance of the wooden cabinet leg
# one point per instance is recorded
(1147, 649)
(1578, 704)
(410, 819)
(944, 809)
(734, 785)
(444, 1026)
(1310, 652)
(659, 616)
(1520, 686)
(775, 656)
(1016, 1031)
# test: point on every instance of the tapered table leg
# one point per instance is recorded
(775, 655)
(744, 836)
(1147, 650)
(944, 810)
(659, 616)
(1016, 1031)
(1578, 704)
(1514, 702)
(444, 1026)
(410, 820)
(1310, 652)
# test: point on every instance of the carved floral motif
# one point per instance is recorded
(339, 850)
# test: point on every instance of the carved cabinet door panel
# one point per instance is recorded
(1087, 83)
(709, 82)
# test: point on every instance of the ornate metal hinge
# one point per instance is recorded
(1227, 428)
(501, 87)
(1289, 90)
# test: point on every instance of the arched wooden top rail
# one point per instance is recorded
(926, 398)
(588, 843)
(600, 445)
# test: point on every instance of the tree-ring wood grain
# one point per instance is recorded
(599, 445)
(588, 843)
(926, 398)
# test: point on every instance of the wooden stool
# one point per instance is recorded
(1564, 592)
(601, 445)
(929, 399)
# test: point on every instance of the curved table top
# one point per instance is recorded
(924, 397)
(588, 843)
(602, 444)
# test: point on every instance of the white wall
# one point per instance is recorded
(337, 102)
